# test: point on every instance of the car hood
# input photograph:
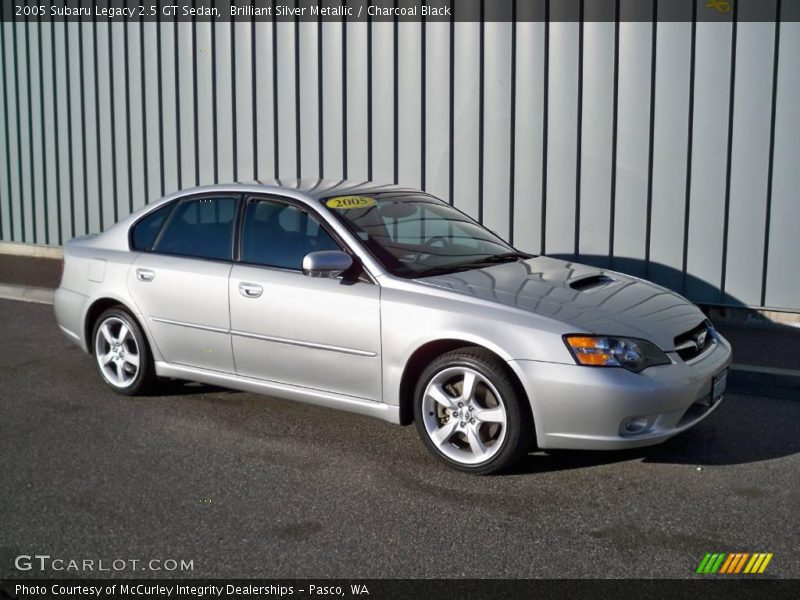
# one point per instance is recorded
(585, 298)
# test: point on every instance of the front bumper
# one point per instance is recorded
(586, 408)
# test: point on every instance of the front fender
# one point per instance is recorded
(411, 320)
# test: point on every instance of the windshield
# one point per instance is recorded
(414, 235)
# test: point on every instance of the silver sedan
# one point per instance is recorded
(388, 302)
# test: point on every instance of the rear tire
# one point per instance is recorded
(122, 355)
(469, 412)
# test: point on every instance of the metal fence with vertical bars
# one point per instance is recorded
(665, 147)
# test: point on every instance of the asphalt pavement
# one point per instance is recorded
(249, 486)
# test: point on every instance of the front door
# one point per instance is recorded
(289, 328)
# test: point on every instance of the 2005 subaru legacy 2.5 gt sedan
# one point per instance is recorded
(389, 302)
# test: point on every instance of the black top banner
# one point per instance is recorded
(403, 10)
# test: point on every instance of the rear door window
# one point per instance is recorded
(201, 228)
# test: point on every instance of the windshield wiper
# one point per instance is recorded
(493, 259)
(500, 258)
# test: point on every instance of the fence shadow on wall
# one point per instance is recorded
(708, 296)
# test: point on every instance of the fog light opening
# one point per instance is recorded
(634, 425)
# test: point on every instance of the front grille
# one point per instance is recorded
(694, 342)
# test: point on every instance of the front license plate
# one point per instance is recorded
(718, 387)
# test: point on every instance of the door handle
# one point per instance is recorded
(250, 290)
(145, 275)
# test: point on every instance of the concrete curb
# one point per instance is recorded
(26, 293)
(32, 250)
(754, 380)
(743, 379)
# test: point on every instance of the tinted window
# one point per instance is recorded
(146, 231)
(275, 234)
(202, 228)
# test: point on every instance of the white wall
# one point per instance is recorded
(603, 159)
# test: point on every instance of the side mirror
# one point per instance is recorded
(326, 263)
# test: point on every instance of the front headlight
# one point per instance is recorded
(604, 351)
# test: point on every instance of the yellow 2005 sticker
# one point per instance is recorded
(347, 202)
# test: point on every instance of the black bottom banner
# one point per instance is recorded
(379, 589)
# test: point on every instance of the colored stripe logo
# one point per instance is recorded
(734, 563)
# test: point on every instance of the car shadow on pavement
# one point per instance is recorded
(176, 387)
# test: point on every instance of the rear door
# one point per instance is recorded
(289, 328)
(180, 282)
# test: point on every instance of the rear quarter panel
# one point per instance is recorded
(91, 273)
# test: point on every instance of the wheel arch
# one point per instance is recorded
(97, 308)
(427, 352)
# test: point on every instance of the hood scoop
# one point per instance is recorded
(592, 283)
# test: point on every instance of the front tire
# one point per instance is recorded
(470, 414)
(121, 353)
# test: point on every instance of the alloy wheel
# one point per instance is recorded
(464, 415)
(117, 352)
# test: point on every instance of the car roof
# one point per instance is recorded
(324, 188)
(308, 189)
